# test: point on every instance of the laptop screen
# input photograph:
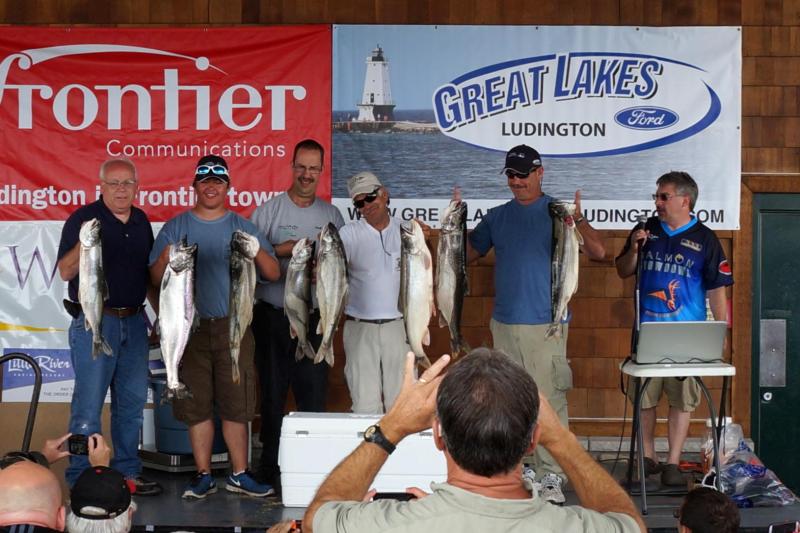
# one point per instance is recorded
(681, 342)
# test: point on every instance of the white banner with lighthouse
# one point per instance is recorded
(429, 108)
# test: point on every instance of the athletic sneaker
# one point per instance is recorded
(529, 479)
(245, 484)
(550, 489)
(201, 486)
(671, 476)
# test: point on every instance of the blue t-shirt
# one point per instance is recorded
(212, 269)
(126, 247)
(522, 237)
(678, 268)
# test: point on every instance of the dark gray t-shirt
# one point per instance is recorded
(281, 220)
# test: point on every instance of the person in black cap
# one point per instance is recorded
(206, 366)
(521, 232)
(100, 501)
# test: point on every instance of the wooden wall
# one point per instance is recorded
(602, 309)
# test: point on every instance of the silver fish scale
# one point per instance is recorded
(451, 272)
(297, 296)
(564, 263)
(92, 287)
(331, 289)
(416, 288)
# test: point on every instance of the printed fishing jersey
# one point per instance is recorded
(678, 268)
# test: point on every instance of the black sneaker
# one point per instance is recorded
(141, 486)
(672, 476)
(651, 467)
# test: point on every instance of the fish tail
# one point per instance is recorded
(423, 361)
(553, 331)
(458, 345)
(325, 351)
(329, 357)
(304, 349)
(235, 368)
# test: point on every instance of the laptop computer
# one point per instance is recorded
(681, 342)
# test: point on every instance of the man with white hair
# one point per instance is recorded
(30, 499)
(100, 502)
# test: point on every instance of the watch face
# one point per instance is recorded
(369, 433)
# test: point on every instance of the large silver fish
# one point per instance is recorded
(244, 248)
(564, 263)
(176, 313)
(451, 272)
(416, 288)
(331, 289)
(297, 296)
(92, 287)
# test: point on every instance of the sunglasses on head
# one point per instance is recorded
(368, 199)
(213, 169)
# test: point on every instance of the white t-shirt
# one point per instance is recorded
(373, 269)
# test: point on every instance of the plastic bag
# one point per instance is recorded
(751, 484)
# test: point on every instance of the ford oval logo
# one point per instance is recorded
(646, 118)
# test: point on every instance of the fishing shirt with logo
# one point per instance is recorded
(212, 269)
(678, 268)
(281, 220)
(522, 237)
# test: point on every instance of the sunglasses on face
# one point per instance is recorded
(213, 169)
(665, 196)
(368, 199)
(514, 174)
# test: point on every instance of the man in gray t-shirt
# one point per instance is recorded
(486, 414)
(284, 220)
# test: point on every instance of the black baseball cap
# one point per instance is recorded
(100, 493)
(211, 165)
(522, 159)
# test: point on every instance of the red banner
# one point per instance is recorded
(71, 98)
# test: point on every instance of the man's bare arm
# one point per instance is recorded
(595, 488)
(411, 413)
(69, 264)
(268, 265)
(718, 302)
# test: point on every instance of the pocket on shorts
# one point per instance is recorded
(562, 374)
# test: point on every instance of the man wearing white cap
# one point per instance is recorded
(374, 335)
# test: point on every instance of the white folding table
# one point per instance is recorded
(642, 374)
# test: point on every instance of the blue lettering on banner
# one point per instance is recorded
(55, 365)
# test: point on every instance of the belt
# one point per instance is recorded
(372, 320)
(122, 312)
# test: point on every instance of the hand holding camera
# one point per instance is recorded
(94, 446)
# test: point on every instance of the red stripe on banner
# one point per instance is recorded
(72, 98)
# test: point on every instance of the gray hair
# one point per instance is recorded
(684, 185)
(122, 523)
(121, 161)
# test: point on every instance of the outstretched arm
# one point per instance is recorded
(593, 242)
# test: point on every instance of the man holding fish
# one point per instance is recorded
(285, 352)
(374, 333)
(103, 255)
(524, 322)
(216, 378)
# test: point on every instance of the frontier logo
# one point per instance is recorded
(76, 106)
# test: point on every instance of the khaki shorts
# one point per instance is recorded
(681, 394)
(206, 370)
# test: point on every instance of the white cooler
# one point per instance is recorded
(312, 444)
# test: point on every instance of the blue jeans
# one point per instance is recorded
(125, 371)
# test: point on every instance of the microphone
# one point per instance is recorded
(640, 221)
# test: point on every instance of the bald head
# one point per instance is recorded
(30, 494)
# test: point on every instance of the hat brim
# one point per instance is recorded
(367, 188)
(202, 177)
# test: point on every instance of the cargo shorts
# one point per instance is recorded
(681, 394)
(207, 371)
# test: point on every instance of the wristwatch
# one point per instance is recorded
(374, 435)
(578, 220)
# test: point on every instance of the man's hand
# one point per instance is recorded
(284, 249)
(52, 449)
(99, 452)
(413, 409)
(285, 526)
(551, 429)
(578, 212)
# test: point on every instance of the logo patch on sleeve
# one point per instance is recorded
(725, 267)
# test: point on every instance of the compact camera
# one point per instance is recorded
(78, 445)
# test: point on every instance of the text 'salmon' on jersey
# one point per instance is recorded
(678, 267)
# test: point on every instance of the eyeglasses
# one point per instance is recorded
(301, 169)
(213, 169)
(665, 196)
(127, 184)
(514, 174)
(368, 199)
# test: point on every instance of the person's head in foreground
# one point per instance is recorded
(30, 494)
(100, 502)
(706, 510)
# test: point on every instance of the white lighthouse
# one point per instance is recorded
(376, 101)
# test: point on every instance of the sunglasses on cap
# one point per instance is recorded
(368, 199)
(212, 169)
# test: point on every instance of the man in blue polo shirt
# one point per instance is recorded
(521, 233)
(682, 264)
(126, 238)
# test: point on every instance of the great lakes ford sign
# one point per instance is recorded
(579, 103)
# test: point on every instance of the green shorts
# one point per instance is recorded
(683, 394)
(206, 370)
